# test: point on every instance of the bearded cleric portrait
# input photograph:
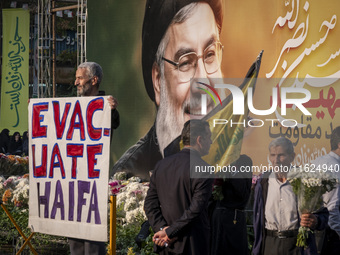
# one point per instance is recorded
(179, 39)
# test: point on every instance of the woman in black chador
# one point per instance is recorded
(15, 145)
(4, 141)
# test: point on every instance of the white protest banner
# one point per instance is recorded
(69, 166)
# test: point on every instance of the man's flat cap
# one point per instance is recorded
(157, 18)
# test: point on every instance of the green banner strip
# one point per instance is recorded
(15, 67)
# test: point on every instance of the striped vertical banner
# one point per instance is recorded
(15, 69)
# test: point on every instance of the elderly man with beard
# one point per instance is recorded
(180, 41)
(276, 217)
(88, 78)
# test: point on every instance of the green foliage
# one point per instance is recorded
(147, 246)
(296, 184)
(126, 238)
(120, 211)
(251, 238)
(67, 58)
(8, 231)
(302, 237)
(44, 244)
(217, 193)
(125, 242)
(13, 165)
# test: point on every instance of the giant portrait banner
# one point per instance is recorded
(15, 63)
(69, 145)
(301, 51)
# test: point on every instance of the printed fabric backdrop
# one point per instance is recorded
(300, 40)
(15, 63)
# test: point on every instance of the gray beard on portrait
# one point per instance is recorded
(168, 125)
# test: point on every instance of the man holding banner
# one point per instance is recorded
(70, 152)
(88, 78)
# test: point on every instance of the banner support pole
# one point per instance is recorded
(25, 243)
(113, 216)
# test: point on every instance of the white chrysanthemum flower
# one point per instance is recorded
(132, 216)
(22, 182)
(134, 179)
(130, 200)
(121, 197)
(304, 181)
(130, 204)
(119, 176)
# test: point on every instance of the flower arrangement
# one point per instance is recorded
(131, 194)
(14, 193)
(7, 196)
(309, 186)
(15, 190)
(13, 165)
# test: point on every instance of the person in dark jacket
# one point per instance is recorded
(25, 143)
(228, 221)
(176, 205)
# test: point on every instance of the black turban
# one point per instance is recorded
(157, 18)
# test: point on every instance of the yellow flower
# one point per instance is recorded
(6, 196)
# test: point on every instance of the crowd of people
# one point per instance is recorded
(177, 205)
(13, 144)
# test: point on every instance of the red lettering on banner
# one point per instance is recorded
(74, 151)
(40, 171)
(92, 150)
(37, 130)
(60, 125)
(94, 105)
(59, 163)
(74, 124)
